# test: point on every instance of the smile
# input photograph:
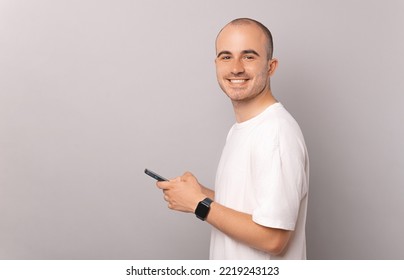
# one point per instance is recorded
(238, 81)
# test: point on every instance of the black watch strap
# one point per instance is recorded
(203, 208)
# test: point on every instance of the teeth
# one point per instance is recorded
(237, 81)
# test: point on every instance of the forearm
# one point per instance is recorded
(184, 193)
(242, 228)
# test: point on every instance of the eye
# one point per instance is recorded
(249, 57)
(225, 57)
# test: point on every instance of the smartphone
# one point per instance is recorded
(155, 175)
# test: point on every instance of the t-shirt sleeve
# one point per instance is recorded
(278, 176)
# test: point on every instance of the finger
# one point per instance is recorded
(164, 185)
(187, 174)
(176, 179)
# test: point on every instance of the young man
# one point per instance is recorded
(258, 208)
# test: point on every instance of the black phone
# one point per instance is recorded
(155, 175)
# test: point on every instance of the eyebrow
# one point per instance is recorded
(243, 52)
(223, 52)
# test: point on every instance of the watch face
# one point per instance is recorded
(203, 208)
(202, 211)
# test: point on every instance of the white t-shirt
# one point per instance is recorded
(264, 171)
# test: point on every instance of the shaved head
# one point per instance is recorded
(247, 21)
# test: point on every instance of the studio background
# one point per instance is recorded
(93, 92)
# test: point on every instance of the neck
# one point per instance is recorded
(248, 109)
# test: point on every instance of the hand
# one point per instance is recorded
(182, 193)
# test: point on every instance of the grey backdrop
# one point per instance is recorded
(92, 92)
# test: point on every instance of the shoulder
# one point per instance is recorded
(278, 128)
(277, 120)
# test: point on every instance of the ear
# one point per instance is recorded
(272, 65)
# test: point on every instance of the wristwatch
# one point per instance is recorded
(202, 210)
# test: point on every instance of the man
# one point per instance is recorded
(258, 208)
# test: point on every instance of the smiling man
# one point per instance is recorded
(259, 203)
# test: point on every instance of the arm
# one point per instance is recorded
(184, 193)
(241, 227)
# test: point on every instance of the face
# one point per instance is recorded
(242, 66)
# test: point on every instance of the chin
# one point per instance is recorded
(237, 98)
(236, 95)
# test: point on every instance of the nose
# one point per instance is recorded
(237, 67)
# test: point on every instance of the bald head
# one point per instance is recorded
(247, 21)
